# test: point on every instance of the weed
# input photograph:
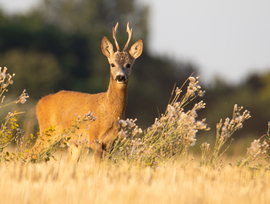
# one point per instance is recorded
(224, 132)
(10, 131)
(168, 139)
(49, 141)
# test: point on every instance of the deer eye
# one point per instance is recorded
(112, 65)
(128, 66)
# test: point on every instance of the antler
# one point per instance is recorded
(129, 31)
(114, 36)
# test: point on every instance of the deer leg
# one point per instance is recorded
(74, 152)
(104, 153)
(98, 152)
(35, 150)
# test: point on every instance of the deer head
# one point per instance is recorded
(121, 61)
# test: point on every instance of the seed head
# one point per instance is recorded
(192, 79)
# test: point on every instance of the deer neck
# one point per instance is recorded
(117, 98)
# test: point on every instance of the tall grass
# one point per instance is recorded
(150, 166)
(10, 131)
(174, 133)
(50, 141)
(55, 182)
(170, 138)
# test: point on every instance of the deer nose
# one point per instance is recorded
(120, 78)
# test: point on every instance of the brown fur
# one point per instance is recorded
(60, 109)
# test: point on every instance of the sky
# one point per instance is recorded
(229, 39)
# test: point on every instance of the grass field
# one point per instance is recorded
(150, 166)
(55, 182)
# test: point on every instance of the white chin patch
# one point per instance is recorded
(120, 82)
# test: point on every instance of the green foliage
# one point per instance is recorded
(9, 131)
(7, 135)
(45, 67)
(253, 94)
(94, 16)
(52, 52)
(264, 91)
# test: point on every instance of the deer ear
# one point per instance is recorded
(136, 49)
(106, 47)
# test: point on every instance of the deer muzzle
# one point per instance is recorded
(120, 79)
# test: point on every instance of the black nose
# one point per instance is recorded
(120, 78)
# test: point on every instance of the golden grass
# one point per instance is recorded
(55, 182)
(169, 138)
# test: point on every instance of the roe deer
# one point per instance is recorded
(59, 109)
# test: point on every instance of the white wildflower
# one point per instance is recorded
(4, 85)
(183, 116)
(255, 146)
(238, 119)
(190, 91)
(122, 134)
(122, 123)
(201, 93)
(129, 124)
(171, 111)
(200, 125)
(2, 75)
(23, 97)
(178, 91)
(191, 119)
(192, 79)
(193, 113)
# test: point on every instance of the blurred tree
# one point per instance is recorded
(265, 92)
(253, 94)
(71, 51)
(38, 73)
(94, 16)
(151, 84)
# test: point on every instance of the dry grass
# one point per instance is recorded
(86, 183)
(140, 167)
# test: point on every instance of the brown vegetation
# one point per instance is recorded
(56, 183)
